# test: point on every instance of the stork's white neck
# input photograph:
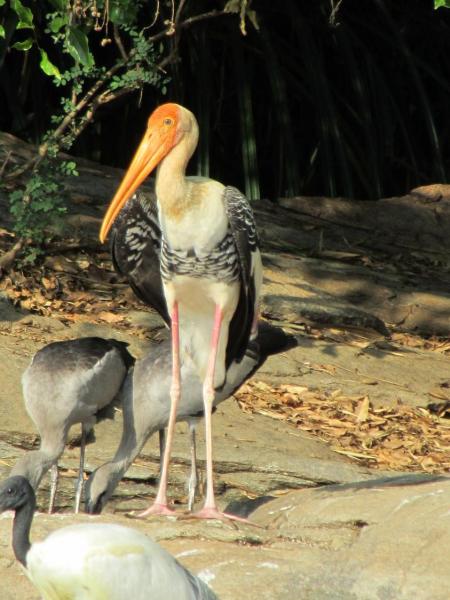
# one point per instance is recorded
(172, 189)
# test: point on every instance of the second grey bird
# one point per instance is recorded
(66, 383)
(146, 406)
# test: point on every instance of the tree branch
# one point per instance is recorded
(93, 98)
(8, 259)
(119, 43)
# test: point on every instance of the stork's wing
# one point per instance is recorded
(135, 249)
(243, 229)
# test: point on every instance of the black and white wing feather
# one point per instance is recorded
(136, 247)
(245, 236)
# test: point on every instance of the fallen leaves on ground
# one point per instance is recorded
(72, 287)
(399, 437)
(411, 340)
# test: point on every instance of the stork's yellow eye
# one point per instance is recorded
(168, 121)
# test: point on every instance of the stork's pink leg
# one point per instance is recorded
(210, 510)
(160, 506)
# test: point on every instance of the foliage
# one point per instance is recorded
(440, 3)
(94, 51)
(41, 204)
(67, 32)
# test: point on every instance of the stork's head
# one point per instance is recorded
(167, 126)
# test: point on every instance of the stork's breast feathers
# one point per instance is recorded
(219, 264)
(229, 259)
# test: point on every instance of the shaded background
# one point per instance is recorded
(358, 106)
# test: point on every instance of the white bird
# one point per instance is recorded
(210, 266)
(66, 383)
(95, 561)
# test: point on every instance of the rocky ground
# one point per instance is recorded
(338, 448)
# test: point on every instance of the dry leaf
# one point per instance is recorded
(363, 410)
(330, 369)
(440, 394)
(48, 283)
(293, 389)
(110, 317)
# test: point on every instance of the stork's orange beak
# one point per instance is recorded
(152, 149)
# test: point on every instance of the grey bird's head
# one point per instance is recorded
(99, 488)
(15, 492)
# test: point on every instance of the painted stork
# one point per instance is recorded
(210, 266)
(95, 561)
(66, 383)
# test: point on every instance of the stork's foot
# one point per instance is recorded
(157, 509)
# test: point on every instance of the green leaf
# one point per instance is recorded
(441, 3)
(25, 45)
(24, 13)
(59, 4)
(2, 30)
(79, 48)
(47, 66)
(57, 23)
(23, 25)
(123, 13)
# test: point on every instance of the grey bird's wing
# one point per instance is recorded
(243, 229)
(81, 353)
(135, 250)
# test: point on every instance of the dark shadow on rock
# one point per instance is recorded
(243, 507)
(387, 481)
(8, 312)
(273, 339)
(325, 311)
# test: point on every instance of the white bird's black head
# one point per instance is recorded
(15, 492)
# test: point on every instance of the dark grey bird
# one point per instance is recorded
(95, 561)
(67, 383)
(146, 406)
